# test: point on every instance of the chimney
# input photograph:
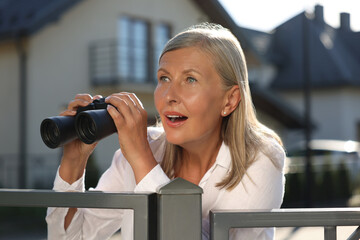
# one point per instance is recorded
(345, 21)
(319, 13)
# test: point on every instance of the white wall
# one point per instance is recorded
(335, 112)
(9, 99)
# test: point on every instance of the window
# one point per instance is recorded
(133, 50)
(102, 59)
(162, 35)
(130, 58)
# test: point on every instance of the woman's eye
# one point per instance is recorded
(191, 80)
(164, 79)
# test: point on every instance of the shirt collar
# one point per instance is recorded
(223, 158)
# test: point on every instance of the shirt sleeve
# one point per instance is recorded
(153, 181)
(87, 223)
(62, 186)
(56, 216)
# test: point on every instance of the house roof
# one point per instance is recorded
(333, 54)
(260, 41)
(19, 18)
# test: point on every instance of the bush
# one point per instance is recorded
(92, 173)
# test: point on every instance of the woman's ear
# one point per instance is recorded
(231, 100)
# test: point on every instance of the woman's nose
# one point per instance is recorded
(171, 94)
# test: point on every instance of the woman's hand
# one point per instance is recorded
(76, 153)
(130, 119)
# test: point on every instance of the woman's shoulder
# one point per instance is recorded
(273, 150)
(264, 179)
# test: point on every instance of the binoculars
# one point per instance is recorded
(90, 124)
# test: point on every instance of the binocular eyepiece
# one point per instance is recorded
(90, 124)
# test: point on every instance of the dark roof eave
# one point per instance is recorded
(51, 14)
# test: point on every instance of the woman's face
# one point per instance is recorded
(189, 97)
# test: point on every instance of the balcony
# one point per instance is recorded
(112, 63)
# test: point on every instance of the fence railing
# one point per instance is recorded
(329, 218)
(175, 212)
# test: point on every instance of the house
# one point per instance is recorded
(333, 63)
(50, 50)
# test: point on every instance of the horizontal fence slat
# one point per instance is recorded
(48, 198)
(222, 221)
(310, 217)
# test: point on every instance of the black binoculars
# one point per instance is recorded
(90, 124)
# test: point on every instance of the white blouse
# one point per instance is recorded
(261, 188)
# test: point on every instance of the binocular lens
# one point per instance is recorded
(86, 128)
(93, 125)
(57, 131)
(50, 133)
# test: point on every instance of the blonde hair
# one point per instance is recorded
(241, 131)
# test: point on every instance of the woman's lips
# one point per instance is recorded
(175, 119)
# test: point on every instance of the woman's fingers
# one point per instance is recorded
(68, 113)
(126, 104)
(126, 111)
(81, 100)
(97, 97)
(84, 96)
(136, 100)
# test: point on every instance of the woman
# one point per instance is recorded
(210, 136)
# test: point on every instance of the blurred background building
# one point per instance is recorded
(52, 50)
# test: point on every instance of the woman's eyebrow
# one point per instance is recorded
(186, 71)
(163, 70)
(191, 70)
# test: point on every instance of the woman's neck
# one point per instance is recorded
(197, 160)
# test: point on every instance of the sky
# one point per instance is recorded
(265, 15)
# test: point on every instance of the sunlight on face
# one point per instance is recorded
(189, 97)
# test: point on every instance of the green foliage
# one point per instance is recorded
(92, 173)
(326, 185)
(343, 182)
(331, 186)
(293, 188)
(24, 219)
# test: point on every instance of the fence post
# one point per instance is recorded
(179, 211)
(330, 232)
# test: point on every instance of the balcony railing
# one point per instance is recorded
(112, 63)
(154, 212)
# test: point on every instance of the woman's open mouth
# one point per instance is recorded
(175, 119)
